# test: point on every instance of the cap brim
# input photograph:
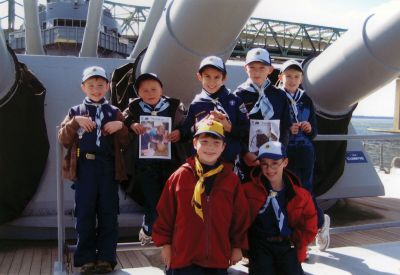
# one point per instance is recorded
(209, 132)
(270, 156)
(212, 66)
(291, 65)
(257, 60)
(144, 77)
(93, 76)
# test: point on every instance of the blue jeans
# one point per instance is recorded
(273, 258)
(96, 202)
(151, 175)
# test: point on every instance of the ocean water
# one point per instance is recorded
(381, 152)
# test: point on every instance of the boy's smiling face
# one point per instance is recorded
(209, 148)
(95, 88)
(291, 79)
(211, 79)
(150, 91)
(273, 169)
(258, 72)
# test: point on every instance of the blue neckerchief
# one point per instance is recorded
(280, 217)
(204, 96)
(161, 106)
(99, 115)
(263, 103)
(293, 101)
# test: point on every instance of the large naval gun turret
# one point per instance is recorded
(173, 48)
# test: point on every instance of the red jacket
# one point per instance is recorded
(205, 243)
(302, 216)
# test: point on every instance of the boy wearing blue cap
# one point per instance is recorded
(284, 219)
(262, 100)
(147, 176)
(300, 148)
(202, 213)
(218, 103)
(94, 134)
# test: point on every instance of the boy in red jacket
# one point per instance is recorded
(203, 214)
(284, 219)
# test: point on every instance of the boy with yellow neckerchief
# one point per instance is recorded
(203, 214)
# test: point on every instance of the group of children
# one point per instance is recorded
(204, 210)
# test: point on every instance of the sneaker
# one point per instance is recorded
(323, 238)
(103, 267)
(88, 268)
(144, 238)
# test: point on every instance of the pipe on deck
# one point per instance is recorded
(363, 60)
(187, 32)
(33, 34)
(7, 68)
(92, 29)
(147, 33)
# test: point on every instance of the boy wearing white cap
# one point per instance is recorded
(217, 102)
(300, 148)
(94, 134)
(202, 213)
(262, 100)
(283, 215)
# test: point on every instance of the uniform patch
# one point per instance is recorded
(242, 108)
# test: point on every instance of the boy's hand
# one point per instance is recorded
(112, 126)
(251, 159)
(138, 128)
(221, 118)
(166, 255)
(236, 256)
(306, 127)
(294, 129)
(174, 136)
(86, 123)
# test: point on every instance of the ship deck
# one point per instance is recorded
(355, 222)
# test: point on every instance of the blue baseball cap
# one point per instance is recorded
(258, 55)
(291, 64)
(272, 150)
(213, 61)
(94, 71)
(146, 76)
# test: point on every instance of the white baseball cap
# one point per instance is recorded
(94, 71)
(258, 55)
(272, 150)
(291, 63)
(213, 61)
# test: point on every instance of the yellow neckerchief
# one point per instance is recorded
(199, 188)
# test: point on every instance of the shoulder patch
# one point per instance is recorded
(242, 108)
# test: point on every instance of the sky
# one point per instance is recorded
(338, 13)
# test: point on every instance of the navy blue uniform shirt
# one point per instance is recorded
(280, 106)
(88, 141)
(225, 102)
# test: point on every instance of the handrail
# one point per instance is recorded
(59, 267)
(357, 137)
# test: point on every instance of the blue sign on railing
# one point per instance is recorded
(355, 157)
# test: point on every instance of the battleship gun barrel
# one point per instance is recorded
(147, 33)
(92, 29)
(33, 37)
(7, 69)
(187, 32)
(363, 60)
